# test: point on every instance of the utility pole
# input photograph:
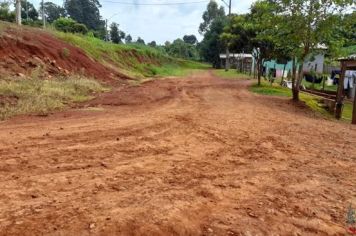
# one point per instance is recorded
(18, 12)
(43, 15)
(106, 31)
(227, 61)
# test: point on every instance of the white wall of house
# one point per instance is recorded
(315, 63)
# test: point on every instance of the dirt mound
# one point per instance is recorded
(25, 51)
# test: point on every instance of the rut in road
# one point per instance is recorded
(192, 156)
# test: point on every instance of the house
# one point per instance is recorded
(243, 62)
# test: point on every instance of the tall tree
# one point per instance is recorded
(140, 41)
(212, 12)
(28, 11)
(85, 12)
(52, 11)
(5, 13)
(128, 39)
(191, 39)
(214, 21)
(152, 44)
(114, 33)
(211, 45)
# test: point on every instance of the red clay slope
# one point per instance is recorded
(27, 51)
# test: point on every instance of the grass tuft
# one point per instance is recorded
(231, 74)
(36, 96)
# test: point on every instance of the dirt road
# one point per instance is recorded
(193, 156)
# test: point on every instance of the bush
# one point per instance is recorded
(5, 13)
(69, 25)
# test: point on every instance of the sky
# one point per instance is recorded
(160, 23)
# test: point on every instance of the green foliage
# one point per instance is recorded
(85, 12)
(190, 39)
(181, 49)
(116, 35)
(152, 44)
(212, 13)
(140, 41)
(128, 39)
(42, 96)
(311, 101)
(52, 11)
(28, 11)
(69, 25)
(65, 53)
(231, 74)
(214, 21)
(274, 90)
(211, 45)
(5, 13)
(135, 60)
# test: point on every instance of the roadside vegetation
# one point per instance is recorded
(135, 60)
(313, 102)
(231, 74)
(36, 96)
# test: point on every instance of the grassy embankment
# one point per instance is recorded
(313, 102)
(134, 60)
(38, 96)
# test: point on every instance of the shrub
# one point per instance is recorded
(69, 25)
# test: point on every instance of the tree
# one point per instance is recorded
(114, 33)
(69, 25)
(152, 44)
(28, 11)
(5, 13)
(85, 12)
(214, 21)
(128, 39)
(191, 39)
(52, 11)
(211, 13)
(140, 41)
(260, 29)
(211, 45)
(306, 24)
(181, 49)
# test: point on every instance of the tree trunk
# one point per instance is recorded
(340, 94)
(259, 72)
(284, 69)
(295, 87)
(18, 12)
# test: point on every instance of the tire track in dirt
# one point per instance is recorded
(193, 156)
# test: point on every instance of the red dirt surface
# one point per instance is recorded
(193, 156)
(23, 51)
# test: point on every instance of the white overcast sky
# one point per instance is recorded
(159, 23)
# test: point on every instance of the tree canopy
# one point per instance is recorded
(85, 12)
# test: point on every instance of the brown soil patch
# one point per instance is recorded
(193, 156)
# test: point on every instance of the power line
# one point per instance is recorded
(154, 4)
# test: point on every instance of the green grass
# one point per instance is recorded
(36, 96)
(274, 90)
(319, 86)
(231, 74)
(311, 101)
(134, 60)
(179, 68)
